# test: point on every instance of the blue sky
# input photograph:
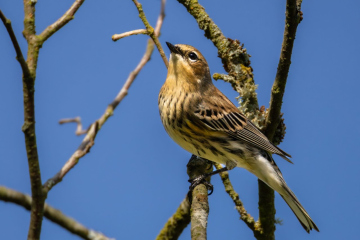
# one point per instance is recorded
(135, 176)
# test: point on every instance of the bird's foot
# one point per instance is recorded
(199, 180)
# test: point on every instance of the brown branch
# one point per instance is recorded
(19, 55)
(266, 211)
(34, 44)
(62, 21)
(266, 194)
(116, 37)
(244, 215)
(79, 130)
(293, 18)
(38, 196)
(176, 223)
(150, 29)
(89, 139)
(54, 215)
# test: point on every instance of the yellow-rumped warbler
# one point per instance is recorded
(199, 118)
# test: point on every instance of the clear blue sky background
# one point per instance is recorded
(135, 176)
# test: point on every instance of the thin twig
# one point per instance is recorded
(54, 215)
(244, 215)
(150, 29)
(293, 18)
(19, 55)
(89, 139)
(64, 19)
(116, 37)
(176, 223)
(82, 150)
(79, 130)
(124, 90)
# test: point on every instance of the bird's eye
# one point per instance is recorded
(193, 56)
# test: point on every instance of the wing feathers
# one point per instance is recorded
(228, 119)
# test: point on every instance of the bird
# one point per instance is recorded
(203, 121)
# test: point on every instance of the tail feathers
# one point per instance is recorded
(299, 211)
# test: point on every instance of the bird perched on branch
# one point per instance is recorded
(199, 118)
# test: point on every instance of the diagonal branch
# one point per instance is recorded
(89, 139)
(54, 215)
(244, 215)
(150, 29)
(19, 55)
(293, 18)
(82, 150)
(62, 21)
(176, 223)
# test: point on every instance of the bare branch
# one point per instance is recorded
(79, 129)
(266, 212)
(176, 223)
(124, 91)
(150, 29)
(34, 44)
(247, 218)
(89, 139)
(38, 196)
(160, 20)
(64, 19)
(54, 215)
(19, 55)
(266, 195)
(293, 18)
(116, 37)
(82, 150)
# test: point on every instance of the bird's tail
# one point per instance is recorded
(298, 210)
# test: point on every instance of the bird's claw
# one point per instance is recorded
(199, 180)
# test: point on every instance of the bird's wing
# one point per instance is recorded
(219, 114)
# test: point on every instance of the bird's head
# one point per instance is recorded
(188, 67)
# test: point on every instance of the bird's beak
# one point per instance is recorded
(174, 49)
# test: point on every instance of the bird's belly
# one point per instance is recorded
(184, 142)
(213, 151)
